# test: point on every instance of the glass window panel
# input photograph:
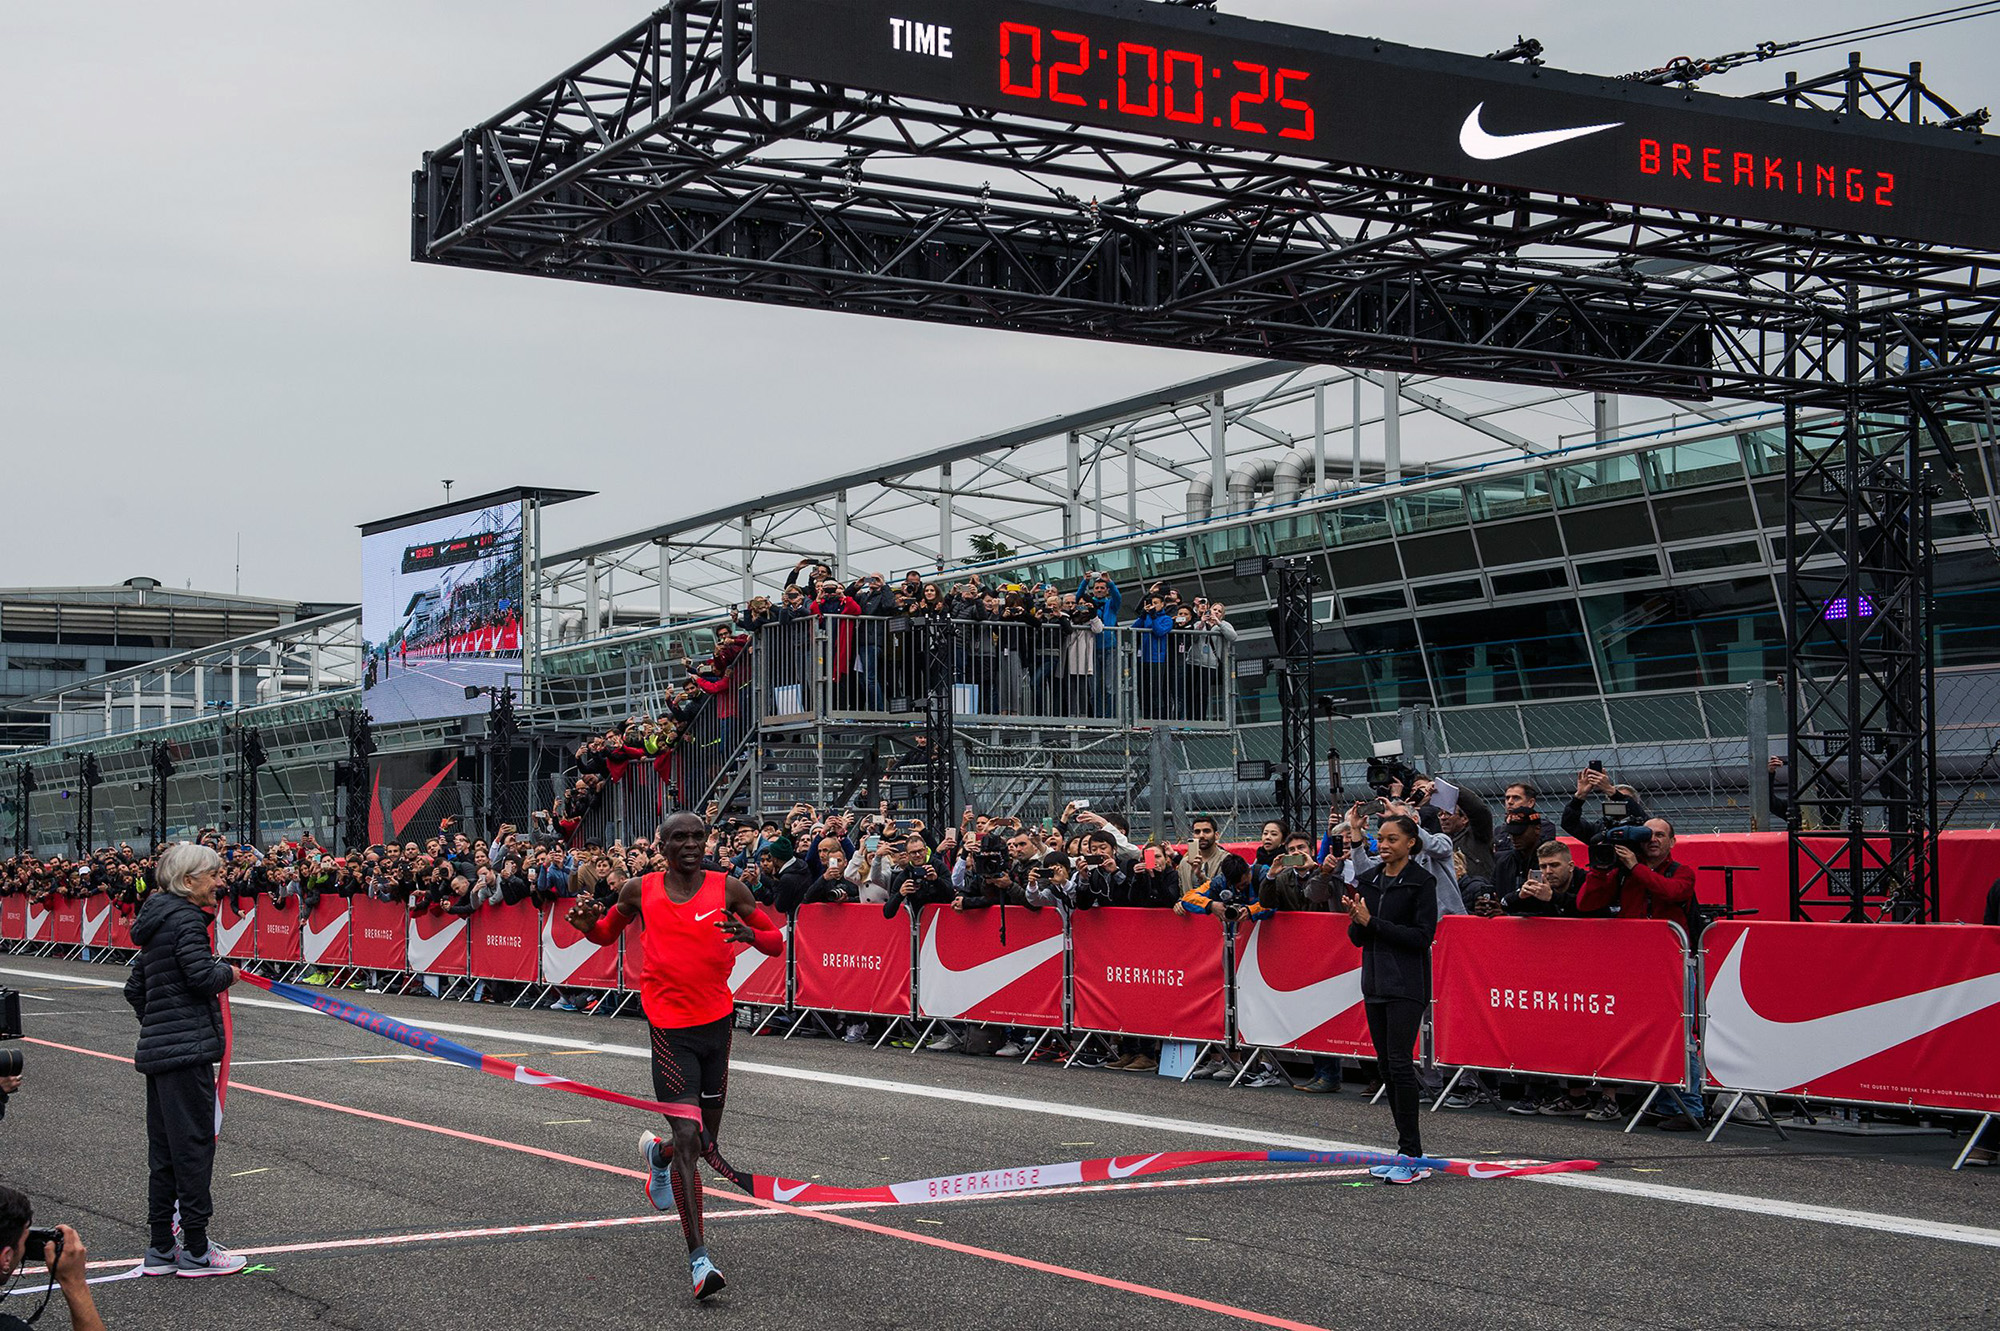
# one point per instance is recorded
(1519, 542)
(1701, 462)
(1611, 528)
(1510, 496)
(1445, 593)
(1351, 524)
(1530, 580)
(1504, 655)
(1945, 526)
(1697, 558)
(1964, 627)
(1686, 636)
(1763, 451)
(1373, 603)
(1683, 517)
(1431, 509)
(1299, 532)
(1437, 555)
(1376, 667)
(1364, 566)
(1164, 559)
(1598, 481)
(1622, 569)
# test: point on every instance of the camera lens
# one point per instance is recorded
(11, 1063)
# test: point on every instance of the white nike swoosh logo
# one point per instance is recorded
(227, 938)
(1117, 1170)
(704, 915)
(1270, 1016)
(317, 939)
(779, 1192)
(749, 961)
(93, 927)
(36, 921)
(1484, 147)
(424, 952)
(562, 960)
(944, 992)
(1746, 1051)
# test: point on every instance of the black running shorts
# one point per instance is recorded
(691, 1063)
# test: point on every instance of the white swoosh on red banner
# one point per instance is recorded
(424, 952)
(317, 939)
(36, 921)
(1117, 1170)
(1744, 1049)
(562, 960)
(944, 992)
(749, 961)
(1267, 1015)
(227, 938)
(93, 927)
(784, 1194)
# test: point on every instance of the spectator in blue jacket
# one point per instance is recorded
(1153, 625)
(1097, 586)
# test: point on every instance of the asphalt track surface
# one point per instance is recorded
(426, 688)
(1670, 1232)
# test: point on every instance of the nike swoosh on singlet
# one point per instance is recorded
(1746, 1050)
(317, 939)
(424, 952)
(1267, 1015)
(704, 915)
(562, 960)
(781, 1192)
(1116, 1170)
(1485, 147)
(944, 992)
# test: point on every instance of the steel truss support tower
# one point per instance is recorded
(351, 777)
(1860, 703)
(1292, 635)
(249, 765)
(160, 760)
(940, 772)
(88, 778)
(24, 789)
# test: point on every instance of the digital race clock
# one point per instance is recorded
(1181, 73)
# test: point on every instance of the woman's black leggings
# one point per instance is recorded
(1393, 1024)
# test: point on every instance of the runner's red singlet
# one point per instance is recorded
(685, 960)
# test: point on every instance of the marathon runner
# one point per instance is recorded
(691, 916)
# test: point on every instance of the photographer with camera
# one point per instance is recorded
(175, 988)
(1618, 805)
(60, 1249)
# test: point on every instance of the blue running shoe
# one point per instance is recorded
(1405, 1174)
(707, 1280)
(659, 1171)
(1381, 1171)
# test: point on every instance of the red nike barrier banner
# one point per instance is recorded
(65, 920)
(121, 927)
(438, 944)
(379, 935)
(235, 931)
(568, 958)
(1574, 998)
(850, 959)
(506, 942)
(969, 966)
(323, 934)
(1298, 985)
(1899, 1014)
(36, 923)
(13, 918)
(278, 930)
(96, 924)
(756, 978)
(1148, 972)
(1968, 862)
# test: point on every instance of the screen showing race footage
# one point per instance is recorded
(441, 611)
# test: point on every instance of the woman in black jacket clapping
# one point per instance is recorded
(1392, 915)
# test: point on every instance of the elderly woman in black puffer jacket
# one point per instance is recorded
(175, 987)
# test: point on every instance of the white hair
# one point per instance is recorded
(182, 861)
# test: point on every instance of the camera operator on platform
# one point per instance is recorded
(66, 1255)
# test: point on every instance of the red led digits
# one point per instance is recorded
(1176, 107)
(1304, 131)
(1127, 53)
(1237, 120)
(1020, 45)
(1078, 66)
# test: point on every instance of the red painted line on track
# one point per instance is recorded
(844, 1221)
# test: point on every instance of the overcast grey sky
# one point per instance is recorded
(209, 323)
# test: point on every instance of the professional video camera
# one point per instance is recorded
(1386, 768)
(1604, 846)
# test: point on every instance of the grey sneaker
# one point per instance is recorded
(659, 1159)
(217, 1261)
(160, 1263)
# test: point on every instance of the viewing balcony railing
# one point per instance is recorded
(869, 669)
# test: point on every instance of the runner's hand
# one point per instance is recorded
(734, 929)
(585, 913)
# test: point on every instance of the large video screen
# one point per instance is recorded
(441, 610)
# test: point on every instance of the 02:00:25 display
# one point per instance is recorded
(1152, 83)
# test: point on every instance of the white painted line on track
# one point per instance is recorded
(1880, 1222)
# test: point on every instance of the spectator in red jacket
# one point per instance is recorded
(1653, 888)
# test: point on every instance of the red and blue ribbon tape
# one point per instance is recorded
(976, 1183)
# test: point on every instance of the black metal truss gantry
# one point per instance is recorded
(664, 161)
